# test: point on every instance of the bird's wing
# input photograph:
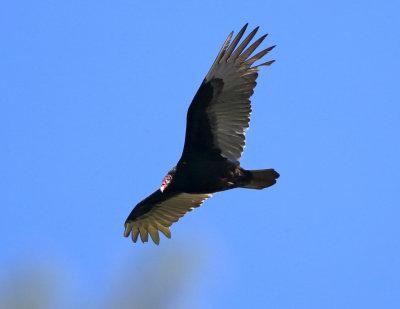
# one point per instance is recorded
(220, 112)
(157, 213)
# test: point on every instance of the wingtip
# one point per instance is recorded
(244, 27)
(135, 235)
(144, 235)
(154, 234)
(156, 240)
(267, 63)
(254, 31)
(127, 229)
(165, 230)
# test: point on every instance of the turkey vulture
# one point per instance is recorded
(215, 137)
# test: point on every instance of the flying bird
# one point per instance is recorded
(215, 138)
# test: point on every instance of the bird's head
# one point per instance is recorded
(168, 179)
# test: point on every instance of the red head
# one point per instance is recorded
(167, 179)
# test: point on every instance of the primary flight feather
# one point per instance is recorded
(215, 138)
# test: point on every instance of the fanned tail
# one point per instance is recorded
(260, 179)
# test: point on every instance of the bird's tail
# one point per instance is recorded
(260, 179)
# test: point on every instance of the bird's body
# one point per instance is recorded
(204, 176)
(216, 120)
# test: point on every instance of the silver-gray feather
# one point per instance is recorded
(162, 215)
(229, 113)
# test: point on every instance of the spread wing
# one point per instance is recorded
(220, 112)
(157, 213)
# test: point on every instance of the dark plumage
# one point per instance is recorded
(215, 138)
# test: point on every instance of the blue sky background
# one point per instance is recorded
(94, 98)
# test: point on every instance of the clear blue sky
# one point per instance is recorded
(93, 108)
